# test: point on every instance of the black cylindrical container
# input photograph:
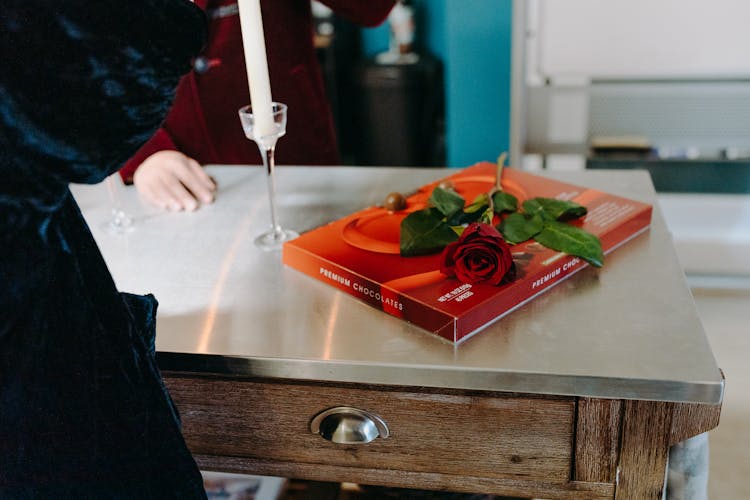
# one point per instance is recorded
(399, 113)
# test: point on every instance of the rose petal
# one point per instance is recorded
(480, 255)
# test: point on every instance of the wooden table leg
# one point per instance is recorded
(644, 450)
(649, 428)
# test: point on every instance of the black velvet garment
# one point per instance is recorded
(83, 409)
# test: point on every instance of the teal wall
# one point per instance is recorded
(472, 38)
(375, 40)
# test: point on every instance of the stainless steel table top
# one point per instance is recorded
(629, 330)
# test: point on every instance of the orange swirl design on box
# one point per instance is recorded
(378, 230)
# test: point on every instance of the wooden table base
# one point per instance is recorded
(516, 445)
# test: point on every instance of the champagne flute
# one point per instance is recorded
(119, 221)
(276, 235)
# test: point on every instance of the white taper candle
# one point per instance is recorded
(251, 23)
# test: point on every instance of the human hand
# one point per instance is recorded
(173, 181)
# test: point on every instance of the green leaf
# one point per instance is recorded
(562, 209)
(555, 209)
(424, 232)
(487, 216)
(504, 202)
(533, 207)
(471, 213)
(447, 201)
(479, 203)
(518, 227)
(461, 217)
(571, 240)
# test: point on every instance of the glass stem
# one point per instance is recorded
(119, 220)
(113, 199)
(268, 162)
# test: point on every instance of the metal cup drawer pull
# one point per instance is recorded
(348, 425)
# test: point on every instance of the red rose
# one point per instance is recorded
(480, 255)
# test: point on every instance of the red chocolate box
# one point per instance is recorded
(359, 254)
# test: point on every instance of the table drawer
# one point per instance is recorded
(480, 434)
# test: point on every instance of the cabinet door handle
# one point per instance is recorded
(348, 425)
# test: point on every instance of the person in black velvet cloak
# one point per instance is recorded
(83, 409)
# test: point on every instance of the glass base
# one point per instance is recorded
(120, 223)
(274, 239)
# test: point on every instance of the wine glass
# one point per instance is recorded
(266, 141)
(119, 221)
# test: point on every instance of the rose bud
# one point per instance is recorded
(480, 255)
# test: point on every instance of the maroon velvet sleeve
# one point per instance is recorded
(368, 13)
(160, 141)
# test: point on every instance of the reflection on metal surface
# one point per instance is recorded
(226, 267)
(348, 425)
(331, 325)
